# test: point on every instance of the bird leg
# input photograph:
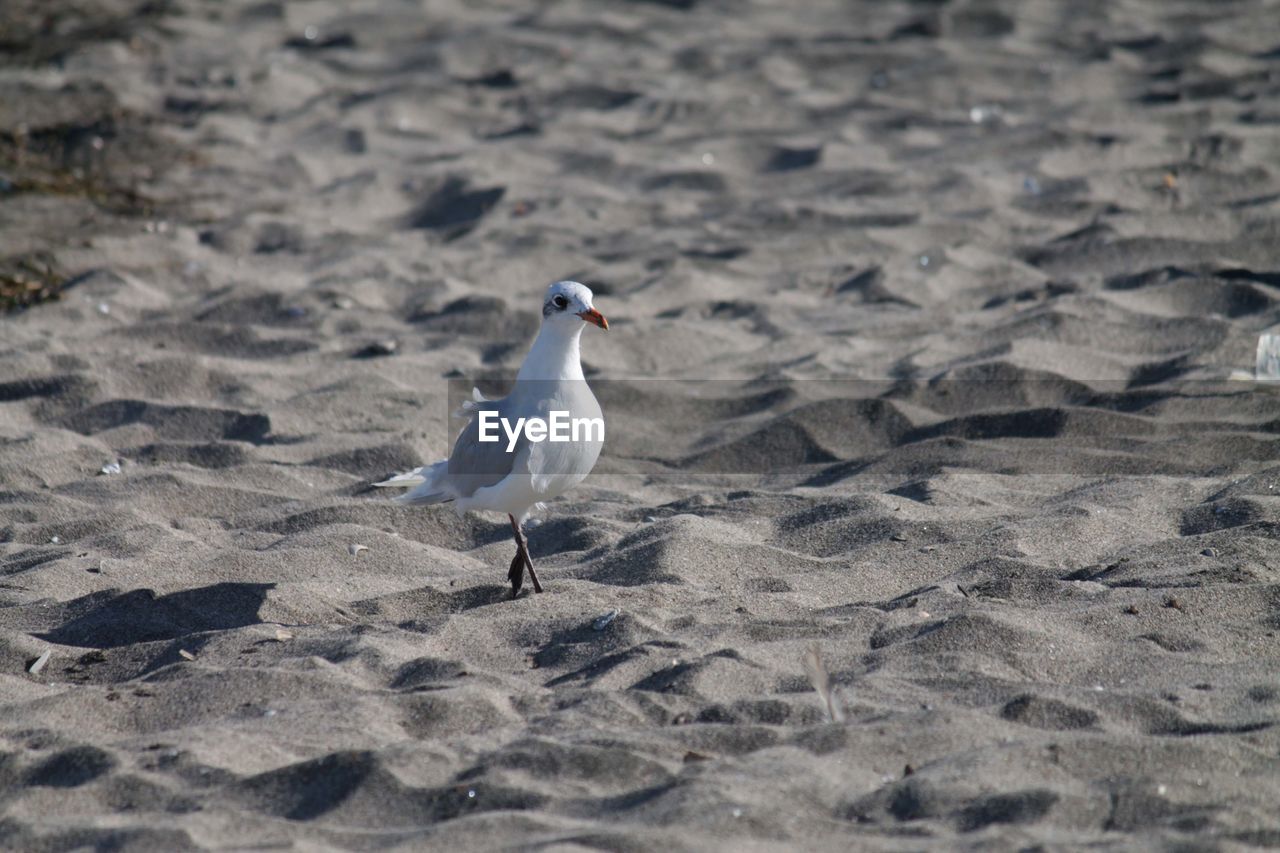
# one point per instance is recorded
(521, 561)
(516, 574)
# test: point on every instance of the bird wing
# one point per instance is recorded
(474, 464)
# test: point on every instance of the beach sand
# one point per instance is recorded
(1031, 535)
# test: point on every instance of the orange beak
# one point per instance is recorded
(595, 318)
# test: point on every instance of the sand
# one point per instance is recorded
(1031, 533)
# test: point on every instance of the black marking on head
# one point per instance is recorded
(556, 303)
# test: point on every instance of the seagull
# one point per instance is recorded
(515, 473)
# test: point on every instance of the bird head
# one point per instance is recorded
(569, 303)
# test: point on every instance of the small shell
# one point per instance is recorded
(38, 663)
(603, 621)
(354, 549)
(1267, 358)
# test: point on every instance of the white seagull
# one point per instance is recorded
(516, 473)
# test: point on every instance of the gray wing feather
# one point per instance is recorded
(474, 464)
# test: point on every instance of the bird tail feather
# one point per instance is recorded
(469, 407)
(425, 483)
(414, 498)
(399, 481)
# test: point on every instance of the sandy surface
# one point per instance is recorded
(1032, 533)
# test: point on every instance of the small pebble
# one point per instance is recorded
(602, 622)
(378, 349)
(983, 113)
(1209, 552)
(111, 468)
(38, 663)
(354, 549)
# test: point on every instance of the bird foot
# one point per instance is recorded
(516, 574)
(521, 561)
(533, 576)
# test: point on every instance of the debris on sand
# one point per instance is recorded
(821, 681)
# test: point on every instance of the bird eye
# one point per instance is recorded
(560, 302)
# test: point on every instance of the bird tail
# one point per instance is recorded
(424, 483)
(408, 478)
